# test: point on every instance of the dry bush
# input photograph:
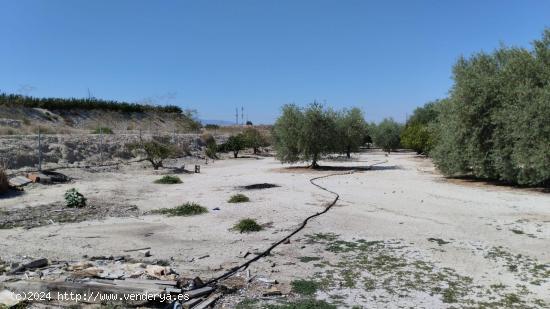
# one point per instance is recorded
(4, 184)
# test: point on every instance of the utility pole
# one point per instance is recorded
(242, 115)
(236, 116)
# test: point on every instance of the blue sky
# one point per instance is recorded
(386, 57)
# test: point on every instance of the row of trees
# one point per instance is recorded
(249, 138)
(307, 134)
(15, 100)
(495, 124)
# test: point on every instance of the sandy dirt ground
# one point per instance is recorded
(400, 235)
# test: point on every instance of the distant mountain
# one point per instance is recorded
(218, 122)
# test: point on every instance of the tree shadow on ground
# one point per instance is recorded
(11, 194)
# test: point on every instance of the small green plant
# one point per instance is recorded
(168, 180)
(239, 198)
(304, 287)
(187, 209)
(74, 199)
(103, 130)
(247, 225)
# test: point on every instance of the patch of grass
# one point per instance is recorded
(168, 180)
(187, 209)
(247, 225)
(248, 304)
(303, 304)
(102, 130)
(305, 287)
(307, 259)
(238, 198)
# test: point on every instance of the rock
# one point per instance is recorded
(146, 253)
(8, 299)
(266, 280)
(157, 271)
(273, 291)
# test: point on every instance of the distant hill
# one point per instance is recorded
(218, 122)
(23, 115)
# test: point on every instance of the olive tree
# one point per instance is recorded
(155, 150)
(351, 130)
(305, 134)
(387, 135)
(235, 143)
(254, 139)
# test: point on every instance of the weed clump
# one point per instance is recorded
(168, 180)
(304, 287)
(239, 198)
(247, 225)
(74, 199)
(187, 209)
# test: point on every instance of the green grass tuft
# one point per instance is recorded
(168, 180)
(247, 225)
(187, 209)
(239, 198)
(304, 287)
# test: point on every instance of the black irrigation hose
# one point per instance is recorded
(245, 265)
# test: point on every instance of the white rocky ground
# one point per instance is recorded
(400, 235)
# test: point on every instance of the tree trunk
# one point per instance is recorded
(255, 150)
(235, 153)
(314, 162)
(348, 152)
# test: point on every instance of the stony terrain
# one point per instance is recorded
(400, 235)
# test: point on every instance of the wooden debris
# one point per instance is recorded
(209, 301)
(273, 291)
(138, 249)
(199, 292)
(192, 302)
(19, 181)
(32, 265)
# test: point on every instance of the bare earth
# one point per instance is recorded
(400, 235)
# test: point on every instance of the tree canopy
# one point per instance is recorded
(495, 123)
(386, 135)
(308, 134)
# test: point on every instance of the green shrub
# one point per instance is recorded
(103, 130)
(187, 209)
(239, 198)
(247, 225)
(73, 199)
(304, 287)
(168, 180)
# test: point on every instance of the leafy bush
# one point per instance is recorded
(495, 123)
(187, 209)
(103, 130)
(239, 198)
(211, 146)
(168, 180)
(74, 199)
(4, 182)
(247, 225)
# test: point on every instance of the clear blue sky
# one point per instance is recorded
(386, 57)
